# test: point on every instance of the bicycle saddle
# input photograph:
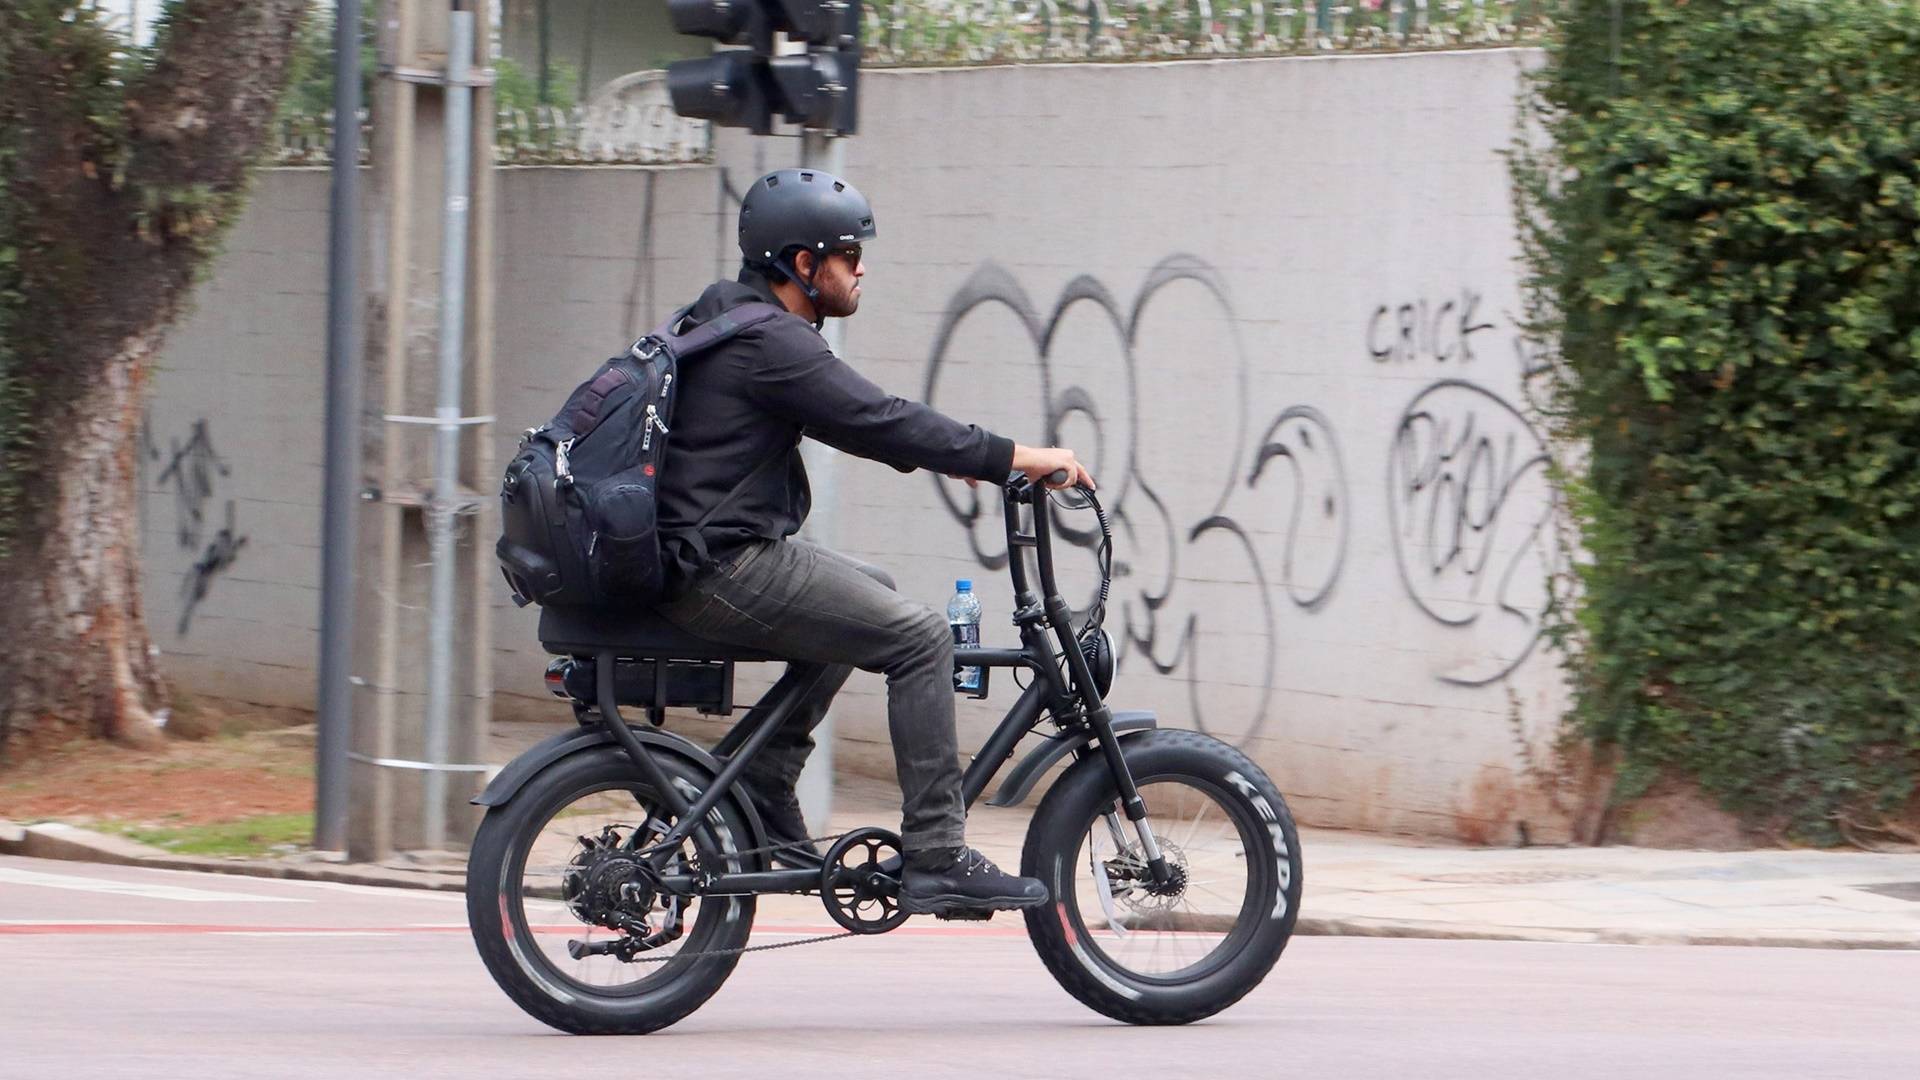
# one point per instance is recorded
(639, 634)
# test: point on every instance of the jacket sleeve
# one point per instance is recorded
(828, 438)
(804, 382)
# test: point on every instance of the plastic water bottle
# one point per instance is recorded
(963, 615)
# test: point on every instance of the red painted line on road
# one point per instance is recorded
(223, 928)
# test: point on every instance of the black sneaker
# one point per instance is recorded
(786, 826)
(960, 883)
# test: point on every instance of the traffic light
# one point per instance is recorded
(745, 87)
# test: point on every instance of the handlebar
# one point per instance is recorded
(1022, 490)
(1021, 484)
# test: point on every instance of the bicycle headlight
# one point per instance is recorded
(1097, 646)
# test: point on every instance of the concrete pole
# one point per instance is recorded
(828, 153)
(408, 771)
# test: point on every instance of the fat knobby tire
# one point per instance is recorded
(493, 879)
(1054, 838)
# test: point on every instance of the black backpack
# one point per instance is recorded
(578, 515)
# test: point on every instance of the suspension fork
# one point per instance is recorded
(1099, 716)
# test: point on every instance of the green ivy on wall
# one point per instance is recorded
(1722, 226)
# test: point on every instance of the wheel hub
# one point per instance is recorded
(1133, 882)
(605, 885)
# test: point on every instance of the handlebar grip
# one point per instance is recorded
(1058, 476)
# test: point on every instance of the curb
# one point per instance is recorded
(1336, 926)
(70, 843)
(55, 840)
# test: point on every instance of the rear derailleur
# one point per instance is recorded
(608, 885)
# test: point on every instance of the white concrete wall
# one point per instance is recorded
(231, 458)
(1273, 302)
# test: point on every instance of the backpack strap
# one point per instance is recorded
(714, 331)
(699, 542)
(585, 415)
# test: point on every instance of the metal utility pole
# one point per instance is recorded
(342, 441)
(446, 450)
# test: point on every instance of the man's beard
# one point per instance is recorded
(837, 304)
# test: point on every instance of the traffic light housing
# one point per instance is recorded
(747, 86)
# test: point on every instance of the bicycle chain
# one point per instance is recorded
(756, 948)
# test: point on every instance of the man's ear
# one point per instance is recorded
(804, 264)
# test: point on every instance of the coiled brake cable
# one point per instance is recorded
(1103, 555)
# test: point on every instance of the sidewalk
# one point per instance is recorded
(1357, 884)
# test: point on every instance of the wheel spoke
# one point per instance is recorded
(1188, 923)
(1194, 828)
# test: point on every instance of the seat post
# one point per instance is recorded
(657, 711)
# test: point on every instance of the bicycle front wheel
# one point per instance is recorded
(1171, 952)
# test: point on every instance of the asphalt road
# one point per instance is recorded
(120, 972)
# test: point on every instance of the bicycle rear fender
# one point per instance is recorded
(1020, 781)
(567, 743)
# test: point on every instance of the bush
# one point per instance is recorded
(1722, 227)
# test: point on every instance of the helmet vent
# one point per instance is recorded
(866, 223)
(773, 181)
(807, 176)
(838, 186)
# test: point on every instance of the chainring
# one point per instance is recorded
(860, 883)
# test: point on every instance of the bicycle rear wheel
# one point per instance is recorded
(552, 887)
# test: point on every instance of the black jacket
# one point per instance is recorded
(738, 416)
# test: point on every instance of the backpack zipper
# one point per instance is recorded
(666, 383)
(652, 422)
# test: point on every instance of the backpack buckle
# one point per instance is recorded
(646, 348)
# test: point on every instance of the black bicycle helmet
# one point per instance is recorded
(800, 208)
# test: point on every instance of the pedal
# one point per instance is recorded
(963, 915)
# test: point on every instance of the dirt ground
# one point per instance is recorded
(244, 761)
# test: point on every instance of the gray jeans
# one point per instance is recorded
(829, 614)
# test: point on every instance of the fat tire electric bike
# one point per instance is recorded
(612, 882)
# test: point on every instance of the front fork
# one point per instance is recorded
(1099, 717)
(1130, 801)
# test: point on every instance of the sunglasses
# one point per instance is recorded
(851, 253)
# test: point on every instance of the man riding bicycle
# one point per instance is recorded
(734, 491)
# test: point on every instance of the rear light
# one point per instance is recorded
(557, 676)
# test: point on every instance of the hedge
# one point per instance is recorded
(1722, 230)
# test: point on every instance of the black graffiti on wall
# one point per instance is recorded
(193, 471)
(1470, 508)
(1185, 532)
(1441, 331)
(220, 554)
(1469, 502)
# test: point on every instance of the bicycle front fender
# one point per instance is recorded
(1019, 783)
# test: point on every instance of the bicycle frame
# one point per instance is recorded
(1071, 696)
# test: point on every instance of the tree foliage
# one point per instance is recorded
(1722, 226)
